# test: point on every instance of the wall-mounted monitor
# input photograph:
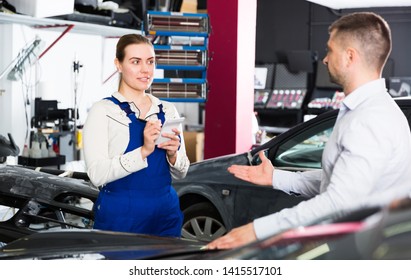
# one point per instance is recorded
(399, 86)
(263, 76)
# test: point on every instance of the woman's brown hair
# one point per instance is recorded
(129, 39)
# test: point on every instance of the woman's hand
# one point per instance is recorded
(172, 145)
(151, 133)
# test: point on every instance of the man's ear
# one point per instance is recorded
(351, 55)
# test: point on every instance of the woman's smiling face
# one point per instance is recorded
(138, 66)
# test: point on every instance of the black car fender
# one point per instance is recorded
(192, 194)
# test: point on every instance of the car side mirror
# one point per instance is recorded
(256, 158)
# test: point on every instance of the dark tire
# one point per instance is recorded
(202, 222)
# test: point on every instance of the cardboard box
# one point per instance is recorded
(194, 145)
(189, 6)
(43, 8)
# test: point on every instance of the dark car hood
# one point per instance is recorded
(28, 183)
(216, 170)
(95, 244)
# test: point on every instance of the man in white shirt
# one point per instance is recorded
(367, 160)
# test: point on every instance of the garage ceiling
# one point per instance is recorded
(351, 4)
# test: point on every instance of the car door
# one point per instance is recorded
(299, 149)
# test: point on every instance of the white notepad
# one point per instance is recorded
(167, 127)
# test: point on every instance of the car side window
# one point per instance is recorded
(304, 150)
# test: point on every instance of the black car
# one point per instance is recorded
(214, 201)
(33, 201)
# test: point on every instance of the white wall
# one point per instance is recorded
(13, 100)
(52, 77)
(56, 74)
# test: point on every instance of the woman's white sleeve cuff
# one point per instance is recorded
(133, 161)
(180, 168)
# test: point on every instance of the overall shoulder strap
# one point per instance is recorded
(161, 115)
(123, 105)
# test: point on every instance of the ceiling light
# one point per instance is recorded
(351, 4)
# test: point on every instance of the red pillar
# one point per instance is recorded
(229, 108)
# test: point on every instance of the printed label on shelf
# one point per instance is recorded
(176, 47)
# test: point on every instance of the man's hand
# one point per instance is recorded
(235, 238)
(261, 174)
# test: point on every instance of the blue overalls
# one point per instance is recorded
(144, 201)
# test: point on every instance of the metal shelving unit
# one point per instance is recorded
(181, 44)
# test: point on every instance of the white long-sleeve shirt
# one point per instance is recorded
(106, 137)
(366, 162)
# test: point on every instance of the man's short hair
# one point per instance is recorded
(370, 31)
